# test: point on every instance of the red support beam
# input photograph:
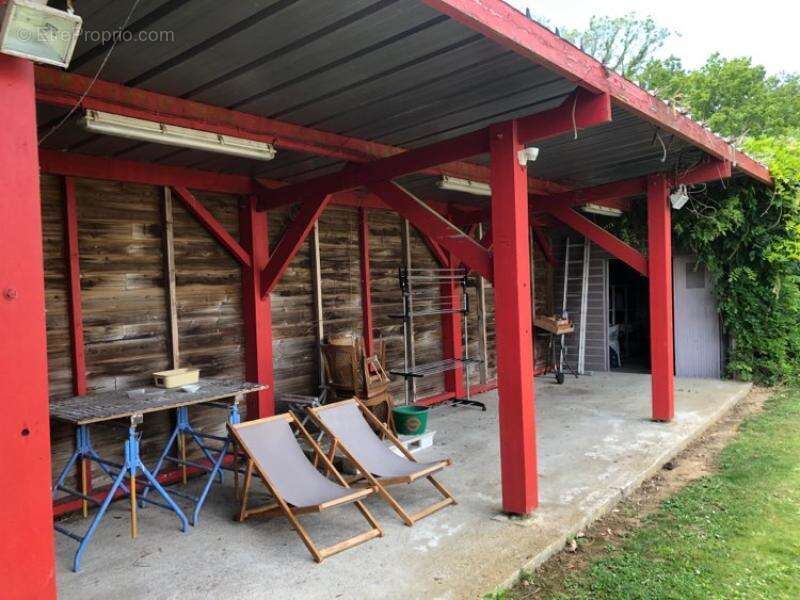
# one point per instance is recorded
(544, 245)
(614, 194)
(293, 237)
(714, 170)
(439, 253)
(515, 364)
(659, 241)
(256, 311)
(578, 111)
(510, 28)
(27, 555)
(73, 265)
(600, 194)
(58, 88)
(114, 169)
(433, 224)
(366, 291)
(607, 241)
(72, 255)
(385, 169)
(214, 227)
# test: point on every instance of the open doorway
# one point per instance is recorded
(628, 319)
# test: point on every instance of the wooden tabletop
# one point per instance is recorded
(120, 404)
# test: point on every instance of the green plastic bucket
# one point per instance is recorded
(410, 420)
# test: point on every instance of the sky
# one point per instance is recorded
(766, 30)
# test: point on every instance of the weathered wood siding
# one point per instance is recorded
(124, 300)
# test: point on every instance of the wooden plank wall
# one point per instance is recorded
(124, 301)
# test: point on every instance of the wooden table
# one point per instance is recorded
(109, 408)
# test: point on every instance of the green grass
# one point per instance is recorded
(735, 534)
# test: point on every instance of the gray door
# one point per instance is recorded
(697, 335)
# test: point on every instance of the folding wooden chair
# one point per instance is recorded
(294, 482)
(347, 424)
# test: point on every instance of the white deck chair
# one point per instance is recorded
(351, 427)
(294, 482)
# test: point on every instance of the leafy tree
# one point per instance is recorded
(625, 44)
(733, 97)
(745, 233)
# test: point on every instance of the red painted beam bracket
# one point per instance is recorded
(607, 241)
(353, 176)
(433, 224)
(544, 245)
(436, 250)
(214, 227)
(580, 110)
(289, 245)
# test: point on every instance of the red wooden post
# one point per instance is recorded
(27, 557)
(513, 322)
(72, 252)
(659, 242)
(72, 255)
(257, 311)
(452, 343)
(366, 292)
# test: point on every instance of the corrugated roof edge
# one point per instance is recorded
(512, 29)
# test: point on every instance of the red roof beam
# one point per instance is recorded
(579, 110)
(433, 224)
(513, 30)
(614, 193)
(114, 169)
(66, 89)
(607, 241)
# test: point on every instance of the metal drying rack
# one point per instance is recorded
(422, 297)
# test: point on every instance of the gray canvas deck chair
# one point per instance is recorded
(294, 482)
(351, 427)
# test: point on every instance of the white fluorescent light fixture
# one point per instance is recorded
(599, 209)
(150, 131)
(454, 184)
(39, 32)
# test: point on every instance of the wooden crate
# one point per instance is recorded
(554, 325)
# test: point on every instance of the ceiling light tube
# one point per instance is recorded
(160, 133)
(454, 184)
(599, 209)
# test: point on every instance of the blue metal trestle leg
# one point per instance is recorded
(215, 456)
(117, 473)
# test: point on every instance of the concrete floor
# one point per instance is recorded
(595, 444)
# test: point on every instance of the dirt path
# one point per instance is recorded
(698, 460)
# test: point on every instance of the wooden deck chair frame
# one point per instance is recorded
(382, 483)
(281, 507)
